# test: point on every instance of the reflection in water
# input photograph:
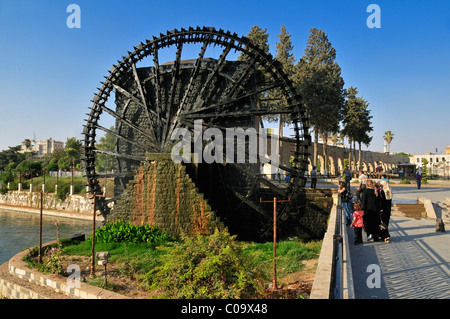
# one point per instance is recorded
(19, 230)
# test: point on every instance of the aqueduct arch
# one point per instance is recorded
(336, 155)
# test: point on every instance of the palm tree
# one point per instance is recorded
(27, 144)
(388, 137)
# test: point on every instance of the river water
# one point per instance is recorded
(20, 230)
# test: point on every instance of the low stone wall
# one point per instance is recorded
(74, 205)
(322, 279)
(54, 286)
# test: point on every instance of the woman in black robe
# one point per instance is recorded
(372, 208)
(385, 213)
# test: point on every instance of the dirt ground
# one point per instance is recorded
(292, 286)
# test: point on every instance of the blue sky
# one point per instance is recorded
(49, 73)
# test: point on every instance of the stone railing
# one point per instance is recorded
(12, 289)
(333, 278)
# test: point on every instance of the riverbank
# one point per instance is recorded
(55, 213)
(74, 206)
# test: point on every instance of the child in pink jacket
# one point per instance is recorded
(358, 223)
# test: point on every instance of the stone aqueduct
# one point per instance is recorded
(336, 155)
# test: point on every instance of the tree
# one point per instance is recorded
(259, 38)
(27, 144)
(404, 154)
(320, 83)
(55, 159)
(356, 121)
(424, 170)
(388, 137)
(286, 58)
(72, 156)
(11, 157)
(107, 143)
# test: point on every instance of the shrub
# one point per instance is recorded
(64, 187)
(404, 181)
(120, 231)
(200, 266)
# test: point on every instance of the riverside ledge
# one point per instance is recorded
(22, 282)
(51, 212)
(74, 206)
(322, 280)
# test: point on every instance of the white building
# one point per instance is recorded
(438, 164)
(42, 147)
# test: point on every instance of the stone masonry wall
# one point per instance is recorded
(73, 203)
(163, 194)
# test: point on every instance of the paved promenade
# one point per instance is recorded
(415, 264)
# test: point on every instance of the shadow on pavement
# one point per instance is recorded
(412, 265)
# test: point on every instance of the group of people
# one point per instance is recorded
(371, 210)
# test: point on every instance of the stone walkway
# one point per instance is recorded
(414, 265)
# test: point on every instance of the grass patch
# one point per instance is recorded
(215, 266)
(290, 254)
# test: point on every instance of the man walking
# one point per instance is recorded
(347, 177)
(419, 177)
(313, 177)
(362, 183)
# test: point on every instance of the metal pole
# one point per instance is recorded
(274, 281)
(93, 240)
(92, 274)
(40, 230)
(106, 280)
(73, 168)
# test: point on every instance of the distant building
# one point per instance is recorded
(42, 147)
(438, 164)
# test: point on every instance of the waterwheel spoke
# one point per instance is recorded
(123, 138)
(262, 180)
(240, 79)
(135, 157)
(114, 174)
(201, 98)
(157, 95)
(188, 92)
(173, 84)
(150, 139)
(230, 101)
(138, 83)
(243, 113)
(137, 100)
